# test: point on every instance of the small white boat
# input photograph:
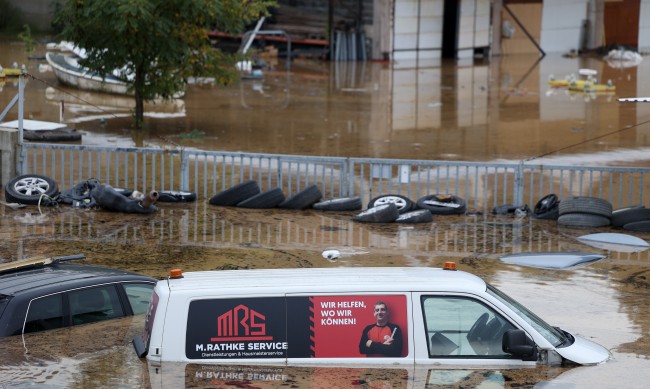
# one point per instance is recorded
(68, 71)
(551, 260)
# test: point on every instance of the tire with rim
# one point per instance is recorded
(585, 204)
(546, 203)
(265, 200)
(384, 213)
(403, 204)
(439, 204)
(417, 216)
(340, 204)
(303, 199)
(169, 196)
(623, 216)
(583, 220)
(236, 194)
(28, 189)
(547, 207)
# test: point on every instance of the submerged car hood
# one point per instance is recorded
(584, 352)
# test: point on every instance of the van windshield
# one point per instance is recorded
(552, 334)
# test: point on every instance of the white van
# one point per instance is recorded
(340, 316)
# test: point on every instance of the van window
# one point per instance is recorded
(45, 313)
(139, 295)
(94, 304)
(462, 327)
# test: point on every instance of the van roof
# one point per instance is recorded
(309, 280)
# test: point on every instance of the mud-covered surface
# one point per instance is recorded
(605, 301)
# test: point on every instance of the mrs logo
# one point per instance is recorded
(241, 323)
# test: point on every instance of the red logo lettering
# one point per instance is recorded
(241, 323)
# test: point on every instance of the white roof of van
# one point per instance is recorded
(314, 280)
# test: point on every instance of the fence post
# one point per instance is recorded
(185, 171)
(350, 179)
(519, 184)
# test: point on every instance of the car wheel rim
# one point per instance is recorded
(31, 186)
(399, 202)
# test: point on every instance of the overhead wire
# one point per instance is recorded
(587, 141)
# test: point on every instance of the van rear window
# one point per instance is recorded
(351, 326)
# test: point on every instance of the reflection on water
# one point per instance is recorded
(206, 226)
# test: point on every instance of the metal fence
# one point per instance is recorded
(482, 185)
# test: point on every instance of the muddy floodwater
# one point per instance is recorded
(483, 110)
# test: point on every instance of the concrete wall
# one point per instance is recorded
(644, 26)
(8, 151)
(418, 25)
(562, 25)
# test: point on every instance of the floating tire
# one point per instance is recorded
(417, 216)
(265, 200)
(583, 220)
(403, 204)
(384, 213)
(552, 214)
(236, 194)
(586, 205)
(439, 204)
(176, 197)
(340, 204)
(29, 188)
(303, 199)
(623, 216)
(640, 226)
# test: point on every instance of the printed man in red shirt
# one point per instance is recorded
(382, 339)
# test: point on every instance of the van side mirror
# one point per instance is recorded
(516, 342)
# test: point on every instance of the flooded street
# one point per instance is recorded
(498, 110)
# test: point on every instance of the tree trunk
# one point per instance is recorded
(138, 88)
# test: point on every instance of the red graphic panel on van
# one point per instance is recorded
(298, 327)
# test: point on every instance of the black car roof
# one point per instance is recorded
(62, 273)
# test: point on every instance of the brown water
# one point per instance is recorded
(481, 110)
(500, 109)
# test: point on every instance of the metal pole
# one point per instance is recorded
(20, 150)
(248, 43)
(21, 95)
(530, 37)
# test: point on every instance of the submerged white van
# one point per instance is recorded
(340, 316)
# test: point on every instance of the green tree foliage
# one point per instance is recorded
(156, 44)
